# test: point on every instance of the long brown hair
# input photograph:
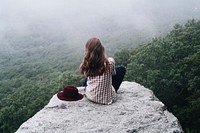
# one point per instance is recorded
(95, 62)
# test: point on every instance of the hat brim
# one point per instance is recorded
(61, 97)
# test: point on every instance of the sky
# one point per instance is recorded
(85, 18)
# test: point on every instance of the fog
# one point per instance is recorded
(80, 19)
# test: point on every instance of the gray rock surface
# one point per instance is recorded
(136, 110)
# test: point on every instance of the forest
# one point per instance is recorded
(168, 65)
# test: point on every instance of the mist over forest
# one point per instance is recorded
(52, 26)
(42, 45)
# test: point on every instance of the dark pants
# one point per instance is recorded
(116, 79)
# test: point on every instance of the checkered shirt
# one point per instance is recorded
(99, 88)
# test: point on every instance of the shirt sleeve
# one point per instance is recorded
(112, 62)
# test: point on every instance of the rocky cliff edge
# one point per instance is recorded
(136, 110)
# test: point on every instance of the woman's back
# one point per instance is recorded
(99, 88)
(99, 71)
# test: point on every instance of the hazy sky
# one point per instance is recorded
(91, 17)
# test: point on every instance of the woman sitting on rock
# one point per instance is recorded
(103, 80)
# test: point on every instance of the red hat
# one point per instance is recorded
(69, 93)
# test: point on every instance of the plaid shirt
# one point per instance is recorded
(99, 88)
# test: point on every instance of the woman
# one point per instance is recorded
(99, 70)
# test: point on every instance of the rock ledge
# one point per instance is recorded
(136, 110)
